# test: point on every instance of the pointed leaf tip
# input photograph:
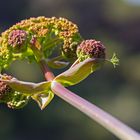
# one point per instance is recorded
(43, 99)
(114, 60)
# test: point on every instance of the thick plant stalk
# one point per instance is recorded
(115, 126)
(109, 122)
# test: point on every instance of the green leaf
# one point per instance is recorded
(57, 63)
(40, 92)
(27, 87)
(79, 72)
(43, 99)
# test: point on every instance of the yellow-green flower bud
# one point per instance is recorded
(4, 90)
(70, 46)
(18, 100)
(5, 55)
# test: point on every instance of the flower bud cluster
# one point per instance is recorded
(17, 100)
(17, 39)
(70, 46)
(90, 49)
(4, 88)
(5, 57)
(12, 98)
(39, 35)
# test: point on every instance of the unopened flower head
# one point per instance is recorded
(17, 39)
(90, 49)
(44, 27)
(41, 35)
(5, 89)
(12, 98)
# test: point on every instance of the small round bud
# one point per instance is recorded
(17, 39)
(90, 49)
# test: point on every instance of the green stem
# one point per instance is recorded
(115, 126)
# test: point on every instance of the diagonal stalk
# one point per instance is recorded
(109, 122)
(115, 126)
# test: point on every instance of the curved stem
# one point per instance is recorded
(115, 126)
(46, 71)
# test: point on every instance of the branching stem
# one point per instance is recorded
(46, 71)
(109, 122)
(115, 126)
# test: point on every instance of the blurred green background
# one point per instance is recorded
(117, 25)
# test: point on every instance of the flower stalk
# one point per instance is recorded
(35, 39)
(47, 72)
(112, 124)
(106, 120)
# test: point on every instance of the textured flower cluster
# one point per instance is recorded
(90, 49)
(17, 39)
(12, 98)
(5, 55)
(4, 88)
(36, 38)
